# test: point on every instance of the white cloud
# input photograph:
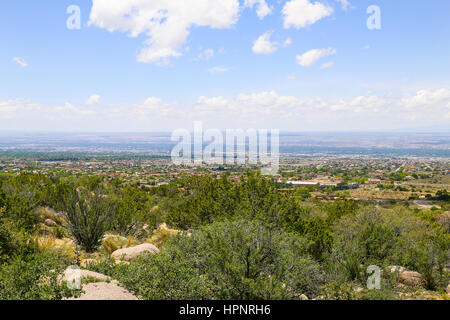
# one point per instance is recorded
(291, 112)
(308, 59)
(344, 3)
(263, 45)
(20, 61)
(218, 70)
(269, 99)
(12, 108)
(152, 108)
(427, 98)
(327, 65)
(206, 55)
(287, 42)
(258, 109)
(68, 111)
(302, 13)
(263, 8)
(207, 106)
(165, 23)
(93, 99)
(19, 109)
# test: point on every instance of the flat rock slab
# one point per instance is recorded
(95, 275)
(105, 291)
(72, 273)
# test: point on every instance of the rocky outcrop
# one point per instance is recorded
(411, 279)
(408, 278)
(131, 253)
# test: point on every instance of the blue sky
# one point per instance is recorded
(96, 79)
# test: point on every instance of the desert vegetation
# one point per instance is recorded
(203, 237)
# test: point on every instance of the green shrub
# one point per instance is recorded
(21, 212)
(33, 277)
(9, 241)
(314, 228)
(13, 241)
(133, 210)
(386, 237)
(225, 260)
(160, 277)
(87, 216)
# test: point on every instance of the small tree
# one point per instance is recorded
(87, 214)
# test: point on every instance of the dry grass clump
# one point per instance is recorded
(65, 247)
(46, 214)
(51, 224)
(161, 235)
(113, 242)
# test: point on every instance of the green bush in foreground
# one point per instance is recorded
(9, 244)
(225, 260)
(390, 237)
(34, 277)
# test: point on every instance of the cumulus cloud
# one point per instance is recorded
(68, 111)
(262, 9)
(376, 111)
(269, 103)
(263, 45)
(207, 105)
(22, 109)
(16, 107)
(20, 61)
(166, 24)
(309, 58)
(258, 109)
(153, 108)
(93, 99)
(427, 98)
(302, 13)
